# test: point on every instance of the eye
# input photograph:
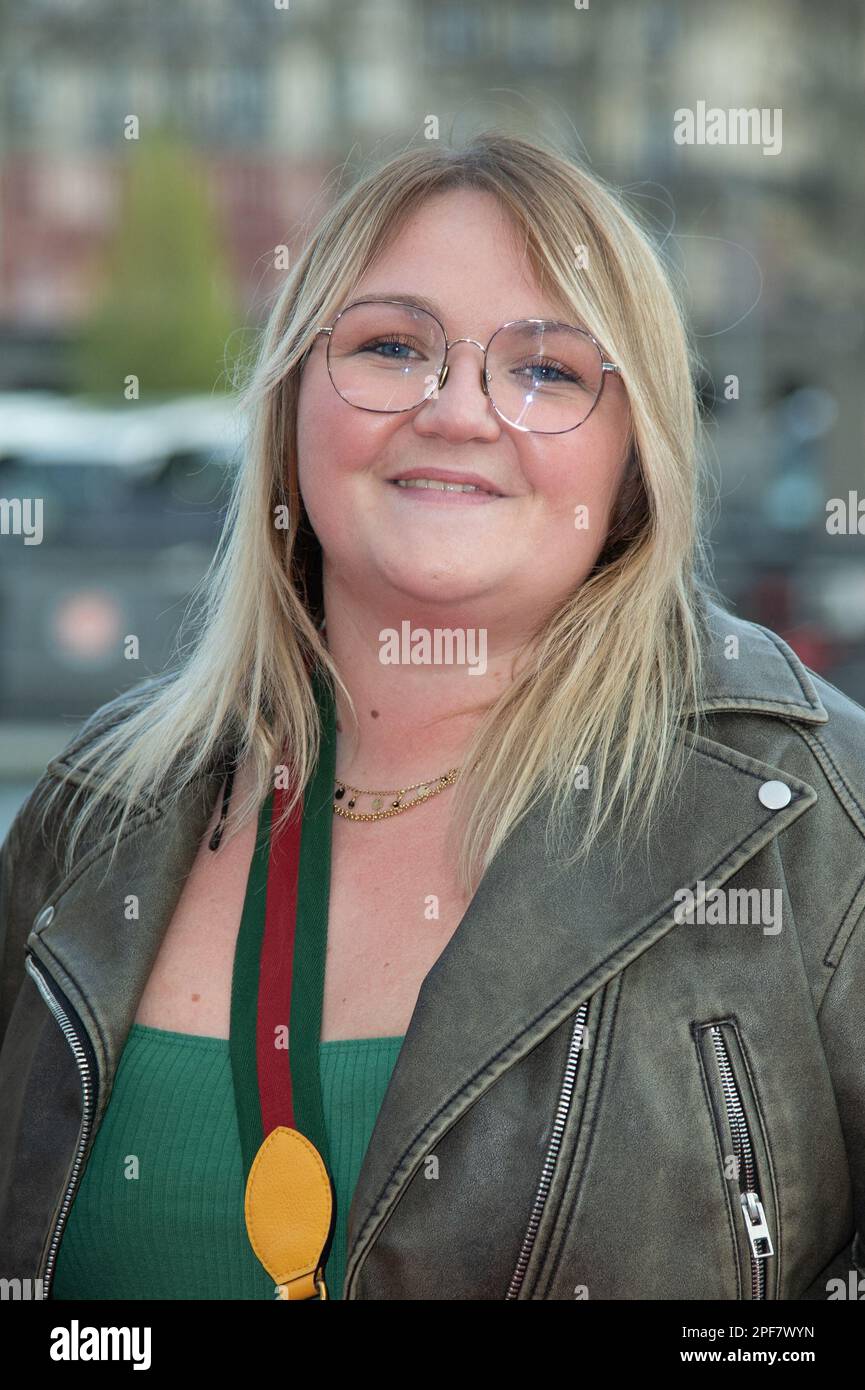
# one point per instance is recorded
(546, 372)
(395, 340)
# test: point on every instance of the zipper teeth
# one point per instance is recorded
(741, 1141)
(562, 1108)
(87, 1092)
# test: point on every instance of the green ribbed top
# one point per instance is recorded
(159, 1210)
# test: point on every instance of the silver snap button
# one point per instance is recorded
(44, 918)
(775, 795)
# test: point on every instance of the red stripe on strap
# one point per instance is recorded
(275, 970)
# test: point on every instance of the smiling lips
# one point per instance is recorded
(433, 492)
(438, 484)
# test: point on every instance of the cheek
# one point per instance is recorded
(333, 439)
(317, 421)
(336, 445)
(322, 440)
(580, 473)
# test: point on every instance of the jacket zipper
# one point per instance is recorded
(87, 1089)
(555, 1144)
(756, 1225)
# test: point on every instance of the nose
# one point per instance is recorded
(443, 376)
(461, 413)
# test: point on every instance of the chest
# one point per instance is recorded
(394, 904)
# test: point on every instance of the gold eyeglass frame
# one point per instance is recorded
(606, 367)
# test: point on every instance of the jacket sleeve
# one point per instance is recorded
(31, 855)
(842, 1024)
(11, 941)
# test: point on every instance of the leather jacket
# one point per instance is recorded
(595, 1097)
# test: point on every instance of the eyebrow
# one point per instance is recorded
(418, 301)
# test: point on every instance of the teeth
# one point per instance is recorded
(437, 485)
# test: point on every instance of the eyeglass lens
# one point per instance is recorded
(387, 357)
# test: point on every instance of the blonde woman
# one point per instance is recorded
(472, 847)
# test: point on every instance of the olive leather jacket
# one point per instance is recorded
(598, 1096)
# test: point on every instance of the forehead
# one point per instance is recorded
(461, 257)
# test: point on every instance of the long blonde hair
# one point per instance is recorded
(606, 681)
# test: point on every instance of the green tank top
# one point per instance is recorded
(159, 1210)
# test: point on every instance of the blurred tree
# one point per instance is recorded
(167, 306)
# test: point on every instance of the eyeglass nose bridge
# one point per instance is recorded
(443, 374)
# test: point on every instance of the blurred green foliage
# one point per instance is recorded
(166, 307)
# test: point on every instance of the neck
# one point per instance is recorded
(415, 720)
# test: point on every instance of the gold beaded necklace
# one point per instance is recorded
(425, 790)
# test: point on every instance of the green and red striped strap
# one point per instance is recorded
(277, 986)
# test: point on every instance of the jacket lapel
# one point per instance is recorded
(98, 955)
(536, 941)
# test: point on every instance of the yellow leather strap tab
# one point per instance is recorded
(288, 1208)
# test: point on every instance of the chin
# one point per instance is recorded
(436, 579)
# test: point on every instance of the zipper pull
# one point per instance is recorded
(756, 1225)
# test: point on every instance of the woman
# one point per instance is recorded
(589, 1022)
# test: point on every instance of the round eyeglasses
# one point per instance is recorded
(389, 356)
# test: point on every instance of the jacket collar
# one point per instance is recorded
(492, 995)
(748, 667)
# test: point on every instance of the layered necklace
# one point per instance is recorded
(425, 790)
(379, 810)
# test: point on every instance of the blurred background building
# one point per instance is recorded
(160, 249)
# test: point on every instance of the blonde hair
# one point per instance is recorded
(606, 681)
